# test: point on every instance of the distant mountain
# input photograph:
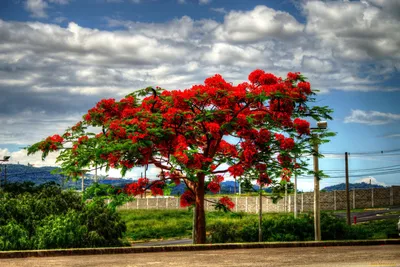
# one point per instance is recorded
(351, 186)
(22, 173)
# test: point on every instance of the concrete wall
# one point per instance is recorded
(336, 200)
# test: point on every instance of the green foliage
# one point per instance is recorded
(62, 231)
(287, 228)
(107, 192)
(47, 217)
(13, 236)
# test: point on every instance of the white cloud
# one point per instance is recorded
(60, 19)
(355, 30)
(392, 136)
(49, 72)
(204, 2)
(219, 10)
(258, 24)
(371, 117)
(370, 180)
(38, 7)
(21, 157)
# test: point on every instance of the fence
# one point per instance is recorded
(335, 200)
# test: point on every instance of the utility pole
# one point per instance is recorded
(260, 216)
(286, 199)
(317, 219)
(346, 160)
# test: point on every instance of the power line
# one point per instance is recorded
(358, 170)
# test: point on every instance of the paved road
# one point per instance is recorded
(371, 215)
(387, 255)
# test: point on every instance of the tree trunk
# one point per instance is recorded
(200, 224)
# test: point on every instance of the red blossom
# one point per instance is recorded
(82, 139)
(293, 76)
(267, 79)
(302, 126)
(215, 185)
(236, 170)
(304, 87)
(136, 188)
(263, 179)
(187, 199)
(227, 202)
(57, 139)
(157, 188)
(255, 76)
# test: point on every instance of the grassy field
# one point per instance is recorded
(144, 225)
(164, 224)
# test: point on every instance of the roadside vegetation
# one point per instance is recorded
(45, 217)
(144, 225)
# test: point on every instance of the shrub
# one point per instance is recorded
(47, 217)
(13, 236)
(284, 228)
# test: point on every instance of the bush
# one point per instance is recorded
(13, 236)
(284, 228)
(47, 217)
(61, 231)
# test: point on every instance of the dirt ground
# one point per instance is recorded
(384, 255)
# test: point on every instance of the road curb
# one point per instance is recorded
(138, 249)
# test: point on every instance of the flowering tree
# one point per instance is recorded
(197, 136)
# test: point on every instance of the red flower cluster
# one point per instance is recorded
(236, 170)
(227, 202)
(293, 76)
(215, 185)
(259, 77)
(284, 160)
(302, 126)
(285, 143)
(82, 139)
(56, 138)
(51, 143)
(136, 188)
(187, 199)
(157, 188)
(263, 179)
(304, 87)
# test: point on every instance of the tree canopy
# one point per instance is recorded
(200, 135)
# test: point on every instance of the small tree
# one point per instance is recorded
(197, 135)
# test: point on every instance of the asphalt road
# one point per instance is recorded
(387, 255)
(371, 215)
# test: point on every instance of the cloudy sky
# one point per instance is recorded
(59, 57)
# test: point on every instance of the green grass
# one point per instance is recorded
(144, 225)
(157, 224)
(168, 224)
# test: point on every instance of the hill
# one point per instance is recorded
(342, 186)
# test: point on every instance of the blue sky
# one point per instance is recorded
(58, 57)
